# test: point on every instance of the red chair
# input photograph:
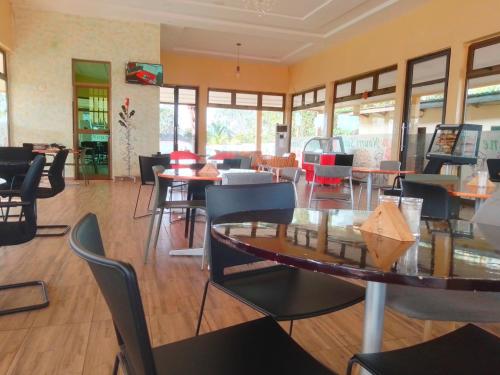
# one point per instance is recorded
(182, 159)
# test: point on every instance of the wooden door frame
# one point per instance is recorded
(75, 117)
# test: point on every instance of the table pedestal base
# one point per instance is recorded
(187, 252)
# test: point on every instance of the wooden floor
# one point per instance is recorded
(74, 335)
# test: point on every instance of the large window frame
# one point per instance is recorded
(4, 77)
(371, 86)
(176, 112)
(481, 72)
(259, 107)
(409, 86)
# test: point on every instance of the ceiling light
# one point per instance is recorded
(238, 70)
(262, 7)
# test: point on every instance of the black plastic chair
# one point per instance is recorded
(468, 350)
(231, 164)
(55, 175)
(438, 204)
(146, 164)
(24, 229)
(282, 292)
(256, 347)
(14, 163)
(494, 169)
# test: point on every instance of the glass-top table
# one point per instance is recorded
(455, 254)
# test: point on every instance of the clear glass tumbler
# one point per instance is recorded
(388, 199)
(411, 208)
(482, 178)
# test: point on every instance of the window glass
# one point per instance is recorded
(219, 97)
(275, 101)
(297, 100)
(231, 130)
(344, 89)
(187, 96)
(247, 99)
(387, 79)
(269, 121)
(364, 84)
(306, 123)
(486, 56)
(4, 129)
(366, 127)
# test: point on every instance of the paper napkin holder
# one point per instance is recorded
(387, 221)
(209, 170)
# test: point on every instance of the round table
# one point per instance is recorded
(456, 254)
(188, 174)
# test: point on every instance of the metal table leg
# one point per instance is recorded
(369, 181)
(374, 318)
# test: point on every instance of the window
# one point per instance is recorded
(178, 118)
(308, 118)
(364, 115)
(233, 118)
(482, 98)
(4, 116)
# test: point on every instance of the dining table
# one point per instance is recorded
(189, 174)
(369, 179)
(447, 255)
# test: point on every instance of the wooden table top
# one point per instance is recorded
(49, 151)
(188, 174)
(471, 191)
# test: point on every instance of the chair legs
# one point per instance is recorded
(137, 202)
(191, 227)
(290, 329)
(202, 307)
(350, 364)
(44, 303)
(116, 365)
(64, 229)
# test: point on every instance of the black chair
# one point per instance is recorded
(438, 204)
(494, 169)
(468, 350)
(344, 159)
(162, 185)
(146, 164)
(55, 175)
(14, 162)
(256, 347)
(24, 229)
(230, 164)
(282, 292)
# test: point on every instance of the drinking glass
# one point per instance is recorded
(411, 208)
(388, 199)
(482, 178)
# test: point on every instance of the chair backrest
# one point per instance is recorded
(344, 159)
(161, 185)
(227, 199)
(390, 165)
(247, 178)
(291, 174)
(15, 154)
(437, 201)
(246, 162)
(56, 172)
(494, 169)
(234, 163)
(146, 164)
(28, 196)
(118, 284)
(183, 155)
(333, 171)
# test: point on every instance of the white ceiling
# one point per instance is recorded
(293, 29)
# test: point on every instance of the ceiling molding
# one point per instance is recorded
(246, 10)
(224, 54)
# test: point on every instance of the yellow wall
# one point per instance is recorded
(209, 72)
(437, 25)
(6, 31)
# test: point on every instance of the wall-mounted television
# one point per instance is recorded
(144, 74)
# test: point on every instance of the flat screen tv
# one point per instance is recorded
(144, 74)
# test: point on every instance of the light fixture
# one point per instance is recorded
(262, 7)
(238, 69)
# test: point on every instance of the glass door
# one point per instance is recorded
(425, 106)
(178, 119)
(92, 136)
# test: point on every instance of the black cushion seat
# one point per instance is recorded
(287, 293)
(246, 349)
(468, 350)
(15, 233)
